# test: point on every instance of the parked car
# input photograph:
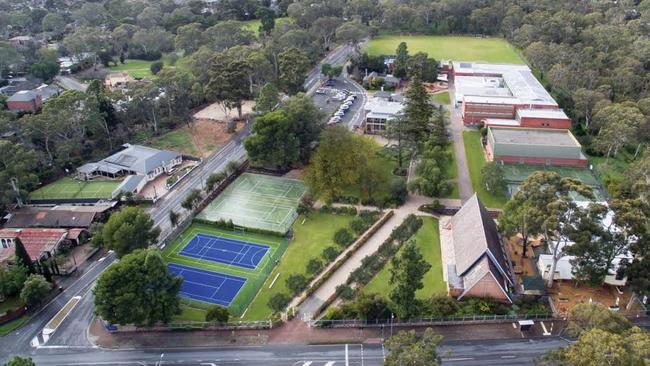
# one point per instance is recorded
(339, 113)
(344, 107)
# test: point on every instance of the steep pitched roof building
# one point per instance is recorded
(481, 266)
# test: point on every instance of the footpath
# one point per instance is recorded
(328, 289)
(299, 332)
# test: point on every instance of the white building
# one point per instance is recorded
(378, 112)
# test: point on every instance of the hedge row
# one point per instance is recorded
(372, 264)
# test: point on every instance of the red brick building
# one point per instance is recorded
(536, 146)
(511, 93)
(25, 101)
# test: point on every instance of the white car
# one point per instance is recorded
(344, 107)
(335, 119)
(339, 114)
(348, 103)
(349, 99)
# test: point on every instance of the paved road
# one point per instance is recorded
(501, 352)
(70, 83)
(338, 56)
(19, 341)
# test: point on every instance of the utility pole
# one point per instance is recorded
(14, 185)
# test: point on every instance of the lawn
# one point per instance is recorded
(475, 162)
(611, 170)
(141, 68)
(12, 325)
(492, 50)
(310, 238)
(428, 241)
(67, 188)
(255, 277)
(254, 24)
(11, 303)
(441, 98)
(179, 140)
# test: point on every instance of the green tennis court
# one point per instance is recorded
(68, 188)
(257, 201)
(254, 277)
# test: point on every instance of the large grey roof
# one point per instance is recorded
(140, 159)
(533, 136)
(475, 236)
(136, 158)
(22, 96)
(129, 184)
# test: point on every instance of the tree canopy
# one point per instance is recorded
(127, 230)
(138, 290)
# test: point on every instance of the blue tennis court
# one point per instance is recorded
(212, 287)
(225, 250)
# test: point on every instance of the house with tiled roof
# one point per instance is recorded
(480, 266)
(31, 217)
(40, 243)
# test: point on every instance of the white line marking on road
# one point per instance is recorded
(347, 359)
(546, 332)
(458, 359)
(330, 363)
(509, 356)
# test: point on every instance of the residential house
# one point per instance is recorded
(132, 160)
(118, 80)
(34, 217)
(479, 266)
(25, 101)
(40, 243)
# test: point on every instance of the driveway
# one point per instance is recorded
(457, 128)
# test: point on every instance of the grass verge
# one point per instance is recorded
(475, 162)
(428, 241)
(13, 325)
(310, 238)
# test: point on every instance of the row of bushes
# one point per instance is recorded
(297, 283)
(375, 307)
(372, 264)
(338, 210)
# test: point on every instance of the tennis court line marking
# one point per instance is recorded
(207, 243)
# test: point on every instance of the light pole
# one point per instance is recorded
(14, 185)
(392, 316)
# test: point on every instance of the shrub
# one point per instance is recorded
(440, 306)
(278, 302)
(345, 292)
(296, 283)
(358, 225)
(171, 180)
(371, 307)
(330, 253)
(217, 313)
(314, 266)
(398, 191)
(156, 67)
(343, 237)
(213, 180)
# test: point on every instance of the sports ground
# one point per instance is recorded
(257, 201)
(492, 50)
(68, 188)
(222, 266)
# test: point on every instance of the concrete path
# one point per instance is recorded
(464, 180)
(327, 289)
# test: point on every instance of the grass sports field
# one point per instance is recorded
(66, 188)
(475, 162)
(257, 201)
(241, 277)
(428, 241)
(493, 50)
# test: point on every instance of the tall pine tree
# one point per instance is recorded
(401, 60)
(417, 113)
